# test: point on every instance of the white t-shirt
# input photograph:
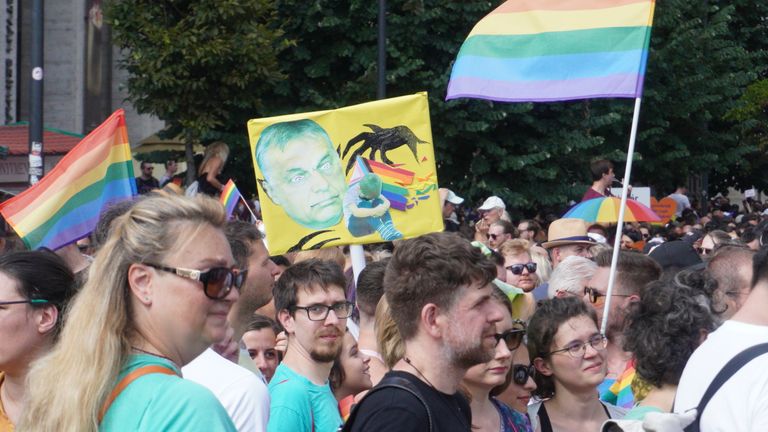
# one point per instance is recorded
(243, 394)
(682, 203)
(741, 404)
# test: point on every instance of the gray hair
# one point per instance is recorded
(569, 274)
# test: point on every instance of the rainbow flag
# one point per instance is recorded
(229, 197)
(553, 50)
(65, 205)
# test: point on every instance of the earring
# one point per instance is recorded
(146, 298)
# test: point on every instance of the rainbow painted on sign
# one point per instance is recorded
(65, 205)
(552, 50)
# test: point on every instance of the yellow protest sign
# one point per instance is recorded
(359, 174)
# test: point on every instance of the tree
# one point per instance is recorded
(201, 66)
(533, 155)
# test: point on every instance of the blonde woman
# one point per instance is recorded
(208, 179)
(155, 299)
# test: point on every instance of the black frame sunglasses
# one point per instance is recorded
(520, 373)
(517, 269)
(513, 338)
(217, 281)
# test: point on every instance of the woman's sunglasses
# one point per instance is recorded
(512, 338)
(217, 282)
(520, 373)
(517, 269)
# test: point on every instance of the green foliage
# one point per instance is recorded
(201, 66)
(187, 67)
(534, 156)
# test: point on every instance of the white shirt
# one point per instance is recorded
(741, 404)
(243, 394)
(682, 203)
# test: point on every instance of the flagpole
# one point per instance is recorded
(620, 222)
(242, 199)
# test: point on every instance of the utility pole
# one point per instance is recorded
(36, 96)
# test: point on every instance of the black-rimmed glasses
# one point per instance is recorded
(517, 269)
(520, 373)
(578, 349)
(594, 294)
(32, 301)
(217, 282)
(319, 312)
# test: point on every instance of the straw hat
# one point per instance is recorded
(567, 231)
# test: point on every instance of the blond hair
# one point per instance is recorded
(515, 247)
(67, 387)
(388, 338)
(218, 149)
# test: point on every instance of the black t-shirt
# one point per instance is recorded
(393, 409)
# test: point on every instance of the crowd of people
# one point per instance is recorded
(176, 318)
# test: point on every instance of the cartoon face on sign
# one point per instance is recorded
(302, 172)
(353, 175)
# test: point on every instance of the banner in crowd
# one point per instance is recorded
(67, 202)
(359, 174)
(552, 50)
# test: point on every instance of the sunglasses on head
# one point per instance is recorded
(520, 373)
(217, 281)
(517, 269)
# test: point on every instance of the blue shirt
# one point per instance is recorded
(159, 402)
(298, 405)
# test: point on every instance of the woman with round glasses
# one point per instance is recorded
(485, 381)
(569, 354)
(157, 296)
(35, 288)
(521, 270)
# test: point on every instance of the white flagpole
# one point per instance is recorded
(620, 222)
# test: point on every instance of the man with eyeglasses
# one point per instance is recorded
(312, 307)
(242, 391)
(439, 290)
(499, 232)
(633, 271)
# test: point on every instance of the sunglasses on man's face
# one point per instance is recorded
(520, 373)
(517, 269)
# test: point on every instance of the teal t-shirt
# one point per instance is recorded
(639, 412)
(159, 402)
(296, 402)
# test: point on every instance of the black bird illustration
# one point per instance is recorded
(382, 140)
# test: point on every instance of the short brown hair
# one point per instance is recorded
(306, 275)
(241, 236)
(431, 269)
(633, 270)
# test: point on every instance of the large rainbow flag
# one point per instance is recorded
(552, 50)
(65, 205)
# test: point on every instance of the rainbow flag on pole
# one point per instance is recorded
(67, 202)
(229, 197)
(553, 50)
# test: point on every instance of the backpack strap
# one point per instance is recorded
(724, 375)
(391, 382)
(127, 380)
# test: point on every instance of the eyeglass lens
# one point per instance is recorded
(319, 312)
(512, 338)
(520, 373)
(218, 281)
(517, 269)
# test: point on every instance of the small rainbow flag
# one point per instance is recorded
(66, 204)
(229, 197)
(552, 50)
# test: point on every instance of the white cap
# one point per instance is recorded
(453, 198)
(492, 203)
